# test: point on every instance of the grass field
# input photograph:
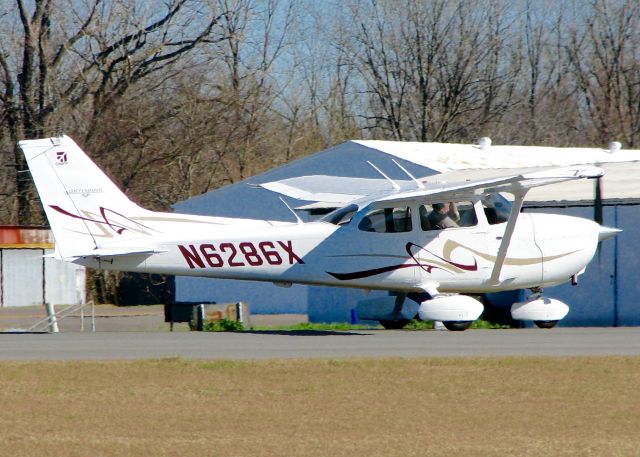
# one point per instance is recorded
(381, 407)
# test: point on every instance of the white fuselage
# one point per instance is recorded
(392, 239)
(544, 250)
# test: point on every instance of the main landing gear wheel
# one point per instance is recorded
(545, 324)
(457, 326)
(394, 325)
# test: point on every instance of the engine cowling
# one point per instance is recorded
(458, 308)
(539, 309)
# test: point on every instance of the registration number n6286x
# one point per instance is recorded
(239, 254)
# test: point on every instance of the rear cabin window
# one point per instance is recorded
(387, 220)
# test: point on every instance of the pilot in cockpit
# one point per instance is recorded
(444, 215)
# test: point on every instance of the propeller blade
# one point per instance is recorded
(597, 203)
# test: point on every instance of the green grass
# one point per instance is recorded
(487, 325)
(428, 325)
(224, 325)
(313, 326)
(343, 326)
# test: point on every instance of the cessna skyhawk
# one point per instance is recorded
(432, 244)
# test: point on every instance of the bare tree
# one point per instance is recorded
(545, 110)
(68, 63)
(315, 100)
(433, 70)
(224, 89)
(247, 89)
(603, 54)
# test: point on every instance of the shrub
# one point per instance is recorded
(224, 325)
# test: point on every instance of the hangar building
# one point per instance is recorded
(29, 277)
(606, 293)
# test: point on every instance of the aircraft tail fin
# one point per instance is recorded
(86, 210)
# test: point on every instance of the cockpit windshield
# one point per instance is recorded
(497, 208)
(341, 216)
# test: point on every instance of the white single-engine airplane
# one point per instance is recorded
(427, 243)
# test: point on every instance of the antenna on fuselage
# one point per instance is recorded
(420, 185)
(393, 183)
(299, 221)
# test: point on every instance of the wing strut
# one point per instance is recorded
(506, 238)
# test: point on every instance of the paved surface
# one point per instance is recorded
(370, 343)
(109, 318)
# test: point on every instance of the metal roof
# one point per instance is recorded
(423, 160)
(622, 167)
(443, 157)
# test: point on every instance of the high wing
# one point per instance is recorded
(339, 191)
(366, 191)
(333, 190)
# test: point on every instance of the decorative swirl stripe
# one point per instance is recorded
(409, 248)
(105, 220)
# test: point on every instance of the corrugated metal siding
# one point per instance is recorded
(29, 279)
(22, 277)
(65, 282)
(627, 266)
(607, 292)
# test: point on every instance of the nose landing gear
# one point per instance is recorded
(543, 311)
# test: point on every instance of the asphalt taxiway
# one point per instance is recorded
(352, 344)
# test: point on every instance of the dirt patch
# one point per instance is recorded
(390, 407)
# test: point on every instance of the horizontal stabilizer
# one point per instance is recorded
(117, 252)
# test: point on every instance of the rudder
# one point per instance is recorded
(85, 209)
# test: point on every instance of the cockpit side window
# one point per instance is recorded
(387, 220)
(440, 216)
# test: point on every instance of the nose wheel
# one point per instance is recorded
(543, 311)
(457, 326)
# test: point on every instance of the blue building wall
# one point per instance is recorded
(262, 297)
(626, 288)
(606, 294)
(333, 304)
